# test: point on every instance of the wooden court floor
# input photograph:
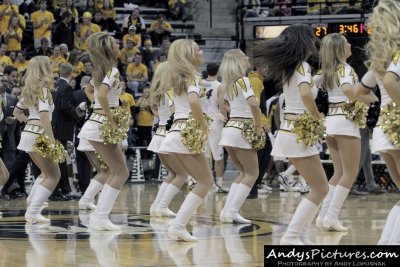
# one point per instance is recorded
(143, 240)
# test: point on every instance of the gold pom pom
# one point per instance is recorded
(52, 151)
(357, 112)
(249, 134)
(103, 165)
(309, 129)
(390, 123)
(193, 137)
(112, 135)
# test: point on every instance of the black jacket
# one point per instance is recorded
(64, 114)
(64, 34)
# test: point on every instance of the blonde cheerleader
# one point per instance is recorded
(384, 71)
(184, 58)
(286, 59)
(104, 53)
(243, 107)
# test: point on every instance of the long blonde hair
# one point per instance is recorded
(160, 83)
(102, 55)
(183, 64)
(332, 54)
(231, 69)
(38, 76)
(385, 37)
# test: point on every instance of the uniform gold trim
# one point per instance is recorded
(300, 69)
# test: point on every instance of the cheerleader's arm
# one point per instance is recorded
(197, 111)
(391, 82)
(308, 99)
(365, 94)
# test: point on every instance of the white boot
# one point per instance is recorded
(331, 220)
(87, 200)
(389, 225)
(33, 189)
(33, 215)
(304, 215)
(162, 209)
(229, 198)
(324, 208)
(160, 193)
(395, 236)
(177, 229)
(99, 218)
(232, 212)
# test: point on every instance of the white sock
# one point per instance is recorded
(40, 196)
(230, 196)
(169, 193)
(327, 201)
(303, 216)
(106, 202)
(186, 211)
(38, 180)
(241, 193)
(338, 198)
(160, 192)
(290, 170)
(389, 225)
(92, 190)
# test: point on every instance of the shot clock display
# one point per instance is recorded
(350, 29)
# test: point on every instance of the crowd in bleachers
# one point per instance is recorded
(59, 29)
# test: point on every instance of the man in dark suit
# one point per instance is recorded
(64, 118)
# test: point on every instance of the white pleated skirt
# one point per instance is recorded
(172, 143)
(28, 137)
(231, 135)
(338, 124)
(380, 142)
(84, 145)
(286, 146)
(90, 130)
(157, 139)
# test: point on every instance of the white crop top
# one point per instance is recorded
(344, 75)
(293, 102)
(112, 80)
(45, 103)
(241, 92)
(210, 102)
(164, 108)
(370, 80)
(181, 102)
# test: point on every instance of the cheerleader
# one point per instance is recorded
(343, 135)
(384, 70)
(104, 53)
(286, 58)
(184, 58)
(163, 101)
(36, 96)
(243, 106)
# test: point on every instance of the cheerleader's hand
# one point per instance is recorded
(113, 124)
(220, 117)
(258, 130)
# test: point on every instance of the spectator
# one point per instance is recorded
(44, 50)
(128, 53)
(7, 10)
(166, 44)
(90, 7)
(161, 58)
(99, 20)
(137, 74)
(76, 64)
(160, 28)
(13, 35)
(11, 78)
(42, 21)
(144, 119)
(21, 63)
(70, 8)
(128, 102)
(282, 8)
(4, 59)
(63, 33)
(13, 56)
(64, 51)
(108, 11)
(132, 35)
(87, 29)
(148, 54)
(87, 71)
(134, 20)
(56, 59)
(177, 9)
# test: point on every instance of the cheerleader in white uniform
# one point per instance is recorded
(104, 53)
(162, 98)
(36, 96)
(383, 51)
(343, 135)
(184, 58)
(243, 106)
(211, 108)
(285, 57)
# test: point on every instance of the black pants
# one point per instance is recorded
(264, 156)
(84, 170)
(63, 184)
(144, 139)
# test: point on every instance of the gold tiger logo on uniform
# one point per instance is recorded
(300, 69)
(396, 57)
(342, 72)
(48, 96)
(242, 84)
(319, 72)
(170, 94)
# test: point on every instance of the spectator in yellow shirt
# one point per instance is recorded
(21, 63)
(7, 10)
(128, 103)
(4, 59)
(137, 74)
(42, 21)
(177, 9)
(161, 58)
(76, 64)
(87, 29)
(144, 118)
(160, 28)
(136, 38)
(13, 35)
(56, 59)
(108, 10)
(128, 53)
(64, 51)
(134, 20)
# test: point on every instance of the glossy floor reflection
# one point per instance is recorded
(143, 240)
